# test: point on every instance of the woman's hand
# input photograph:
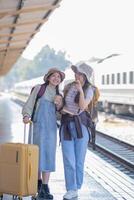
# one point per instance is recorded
(58, 100)
(26, 119)
(78, 86)
(83, 103)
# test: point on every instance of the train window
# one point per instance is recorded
(103, 80)
(124, 77)
(107, 78)
(118, 78)
(113, 79)
(131, 77)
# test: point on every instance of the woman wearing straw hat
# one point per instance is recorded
(74, 130)
(44, 126)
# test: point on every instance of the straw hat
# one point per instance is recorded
(83, 68)
(52, 71)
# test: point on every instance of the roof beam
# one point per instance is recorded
(12, 41)
(9, 57)
(12, 48)
(41, 21)
(36, 8)
(9, 61)
(18, 34)
(6, 68)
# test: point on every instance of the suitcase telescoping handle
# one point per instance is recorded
(30, 133)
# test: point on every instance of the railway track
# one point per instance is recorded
(119, 153)
(120, 116)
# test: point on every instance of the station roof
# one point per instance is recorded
(20, 20)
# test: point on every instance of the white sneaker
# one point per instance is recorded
(71, 194)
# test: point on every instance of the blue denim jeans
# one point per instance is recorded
(74, 152)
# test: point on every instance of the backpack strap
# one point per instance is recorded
(41, 91)
(39, 95)
(92, 106)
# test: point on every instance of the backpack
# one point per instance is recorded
(93, 105)
(41, 90)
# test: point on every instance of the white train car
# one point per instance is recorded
(115, 79)
(22, 89)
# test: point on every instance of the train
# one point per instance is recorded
(114, 77)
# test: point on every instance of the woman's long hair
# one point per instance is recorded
(85, 86)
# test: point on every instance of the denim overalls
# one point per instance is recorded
(45, 134)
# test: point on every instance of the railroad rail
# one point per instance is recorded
(120, 116)
(116, 150)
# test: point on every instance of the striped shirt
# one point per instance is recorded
(70, 104)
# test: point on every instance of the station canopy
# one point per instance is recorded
(20, 20)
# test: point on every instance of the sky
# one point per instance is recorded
(86, 29)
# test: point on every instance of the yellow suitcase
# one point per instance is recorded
(18, 169)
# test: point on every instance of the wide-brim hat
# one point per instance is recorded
(83, 68)
(52, 71)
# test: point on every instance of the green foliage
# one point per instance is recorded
(26, 69)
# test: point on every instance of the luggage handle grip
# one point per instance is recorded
(31, 141)
(30, 170)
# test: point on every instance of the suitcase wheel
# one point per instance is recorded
(1, 197)
(15, 197)
(33, 197)
(19, 198)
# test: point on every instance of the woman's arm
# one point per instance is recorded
(28, 107)
(84, 100)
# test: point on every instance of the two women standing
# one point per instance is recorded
(74, 130)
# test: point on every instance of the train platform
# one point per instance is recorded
(101, 180)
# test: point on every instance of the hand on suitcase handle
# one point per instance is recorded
(27, 120)
(30, 132)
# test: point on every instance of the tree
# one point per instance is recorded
(26, 69)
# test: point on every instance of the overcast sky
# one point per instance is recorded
(86, 28)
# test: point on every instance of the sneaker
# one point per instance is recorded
(71, 194)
